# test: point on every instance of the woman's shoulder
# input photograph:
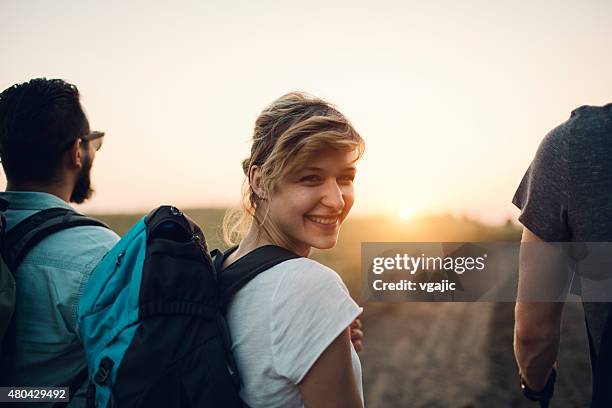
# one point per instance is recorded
(307, 270)
(304, 277)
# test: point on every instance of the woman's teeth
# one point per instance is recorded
(324, 221)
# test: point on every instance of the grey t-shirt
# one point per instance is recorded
(566, 196)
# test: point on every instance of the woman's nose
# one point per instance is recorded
(333, 197)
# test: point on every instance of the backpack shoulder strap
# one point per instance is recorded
(4, 205)
(29, 232)
(238, 274)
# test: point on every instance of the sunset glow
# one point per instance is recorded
(406, 213)
(452, 105)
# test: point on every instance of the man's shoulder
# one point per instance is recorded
(586, 128)
(82, 239)
(589, 112)
(587, 121)
(77, 248)
(82, 235)
(92, 235)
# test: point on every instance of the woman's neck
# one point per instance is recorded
(257, 237)
(251, 241)
(254, 239)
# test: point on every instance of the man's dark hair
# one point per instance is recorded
(38, 120)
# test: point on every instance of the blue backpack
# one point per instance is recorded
(152, 317)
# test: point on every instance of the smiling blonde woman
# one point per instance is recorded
(290, 325)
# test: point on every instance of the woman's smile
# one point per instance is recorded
(324, 219)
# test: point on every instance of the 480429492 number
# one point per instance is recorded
(38, 393)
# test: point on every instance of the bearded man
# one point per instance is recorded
(47, 151)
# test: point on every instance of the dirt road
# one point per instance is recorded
(459, 355)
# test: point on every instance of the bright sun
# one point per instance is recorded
(406, 213)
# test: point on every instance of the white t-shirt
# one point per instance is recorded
(280, 324)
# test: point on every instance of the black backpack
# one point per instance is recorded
(152, 317)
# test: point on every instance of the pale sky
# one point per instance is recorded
(452, 97)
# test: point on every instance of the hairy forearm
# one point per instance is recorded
(537, 327)
(536, 350)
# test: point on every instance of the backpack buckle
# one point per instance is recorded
(104, 370)
(118, 263)
(175, 211)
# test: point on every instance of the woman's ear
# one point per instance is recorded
(256, 181)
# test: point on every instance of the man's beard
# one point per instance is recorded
(82, 188)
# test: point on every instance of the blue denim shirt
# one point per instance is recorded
(49, 283)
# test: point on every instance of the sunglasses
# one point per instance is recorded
(95, 137)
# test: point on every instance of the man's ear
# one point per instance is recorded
(256, 181)
(75, 156)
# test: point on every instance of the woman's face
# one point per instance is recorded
(308, 205)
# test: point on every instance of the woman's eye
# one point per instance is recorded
(311, 179)
(347, 179)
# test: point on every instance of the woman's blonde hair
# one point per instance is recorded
(287, 133)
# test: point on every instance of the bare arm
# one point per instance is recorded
(537, 329)
(330, 382)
